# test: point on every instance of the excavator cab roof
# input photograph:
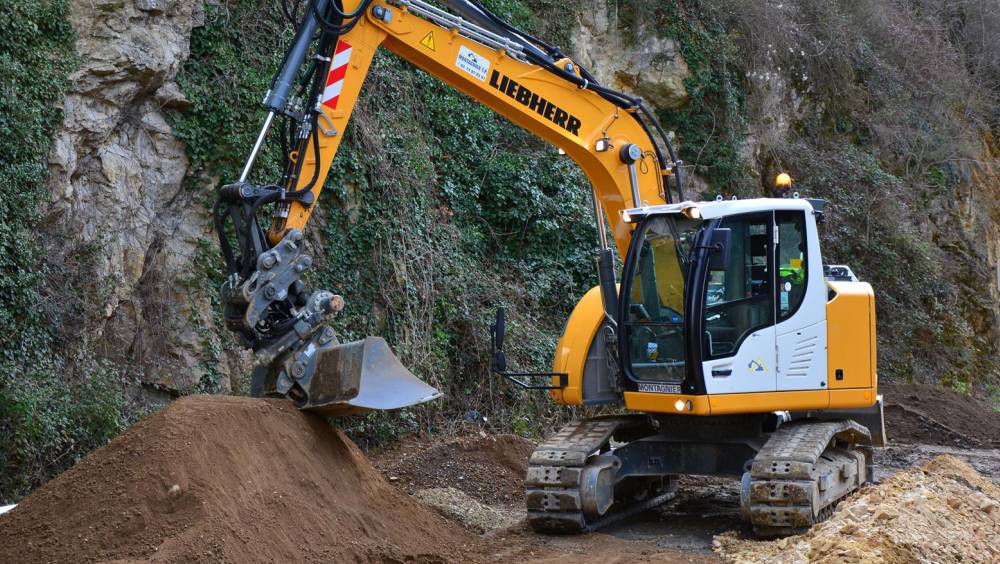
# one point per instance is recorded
(717, 209)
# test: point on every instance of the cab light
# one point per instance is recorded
(691, 212)
(626, 217)
(679, 405)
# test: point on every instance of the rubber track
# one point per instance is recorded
(552, 486)
(789, 458)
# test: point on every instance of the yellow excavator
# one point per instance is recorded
(724, 343)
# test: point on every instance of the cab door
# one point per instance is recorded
(801, 304)
(738, 341)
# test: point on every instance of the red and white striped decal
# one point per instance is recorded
(338, 70)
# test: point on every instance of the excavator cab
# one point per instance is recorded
(724, 298)
(735, 356)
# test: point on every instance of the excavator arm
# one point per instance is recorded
(609, 134)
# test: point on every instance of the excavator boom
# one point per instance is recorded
(315, 92)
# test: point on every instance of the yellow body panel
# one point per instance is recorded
(859, 397)
(405, 34)
(571, 352)
(850, 323)
(664, 403)
(727, 404)
(760, 402)
(763, 402)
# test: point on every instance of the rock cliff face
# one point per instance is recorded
(640, 62)
(128, 229)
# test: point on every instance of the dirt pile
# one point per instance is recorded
(489, 468)
(220, 478)
(924, 414)
(942, 512)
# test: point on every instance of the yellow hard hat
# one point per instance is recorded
(783, 180)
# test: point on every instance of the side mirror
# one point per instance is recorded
(720, 249)
(499, 362)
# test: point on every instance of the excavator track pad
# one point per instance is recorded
(571, 484)
(802, 472)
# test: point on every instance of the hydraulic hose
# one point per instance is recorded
(285, 80)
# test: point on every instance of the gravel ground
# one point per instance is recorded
(943, 511)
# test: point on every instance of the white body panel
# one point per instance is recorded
(752, 366)
(725, 208)
(802, 358)
(801, 339)
(792, 354)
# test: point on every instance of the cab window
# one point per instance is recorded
(792, 264)
(740, 298)
(654, 321)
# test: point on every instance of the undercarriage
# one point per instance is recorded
(793, 472)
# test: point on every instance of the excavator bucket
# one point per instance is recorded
(350, 378)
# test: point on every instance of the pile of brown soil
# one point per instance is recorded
(942, 512)
(924, 414)
(221, 478)
(489, 468)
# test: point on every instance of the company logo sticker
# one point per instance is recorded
(757, 365)
(524, 96)
(659, 388)
(472, 63)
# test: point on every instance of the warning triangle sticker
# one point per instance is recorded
(428, 41)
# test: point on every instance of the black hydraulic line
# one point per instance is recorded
(606, 279)
(539, 42)
(474, 12)
(287, 135)
(317, 76)
(326, 48)
(285, 140)
(335, 6)
(292, 194)
(675, 163)
(469, 8)
(334, 28)
(285, 79)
